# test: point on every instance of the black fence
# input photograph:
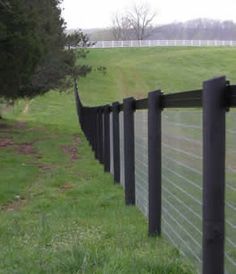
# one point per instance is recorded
(163, 187)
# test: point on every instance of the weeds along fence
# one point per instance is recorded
(175, 156)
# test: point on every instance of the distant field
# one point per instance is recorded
(135, 71)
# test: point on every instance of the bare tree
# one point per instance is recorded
(121, 29)
(135, 23)
(141, 18)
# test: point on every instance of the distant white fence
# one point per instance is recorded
(164, 43)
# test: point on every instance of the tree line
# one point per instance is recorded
(202, 29)
(198, 29)
(36, 55)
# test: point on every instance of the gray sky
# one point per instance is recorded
(98, 14)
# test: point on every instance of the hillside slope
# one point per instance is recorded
(135, 71)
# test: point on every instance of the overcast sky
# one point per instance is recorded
(98, 13)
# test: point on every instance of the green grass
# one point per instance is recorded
(135, 72)
(63, 215)
(60, 215)
(72, 219)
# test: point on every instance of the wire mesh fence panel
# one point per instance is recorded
(141, 160)
(182, 181)
(230, 194)
(111, 145)
(121, 125)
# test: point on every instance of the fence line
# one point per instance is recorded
(192, 206)
(164, 43)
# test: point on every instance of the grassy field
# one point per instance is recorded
(59, 212)
(135, 72)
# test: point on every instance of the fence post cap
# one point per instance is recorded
(129, 103)
(115, 104)
(107, 108)
(154, 92)
(155, 99)
(115, 107)
(128, 99)
(219, 78)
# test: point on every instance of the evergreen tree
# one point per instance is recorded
(20, 48)
(33, 53)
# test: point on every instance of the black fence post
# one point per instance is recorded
(154, 163)
(93, 123)
(92, 127)
(107, 138)
(213, 175)
(116, 141)
(129, 150)
(100, 135)
(97, 133)
(85, 118)
(89, 125)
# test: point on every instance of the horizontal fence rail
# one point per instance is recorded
(163, 43)
(175, 156)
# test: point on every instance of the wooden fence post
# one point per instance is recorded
(116, 141)
(97, 133)
(154, 163)
(107, 138)
(94, 131)
(129, 150)
(213, 175)
(101, 138)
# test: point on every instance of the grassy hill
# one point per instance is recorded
(134, 72)
(59, 212)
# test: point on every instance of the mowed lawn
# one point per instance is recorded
(60, 213)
